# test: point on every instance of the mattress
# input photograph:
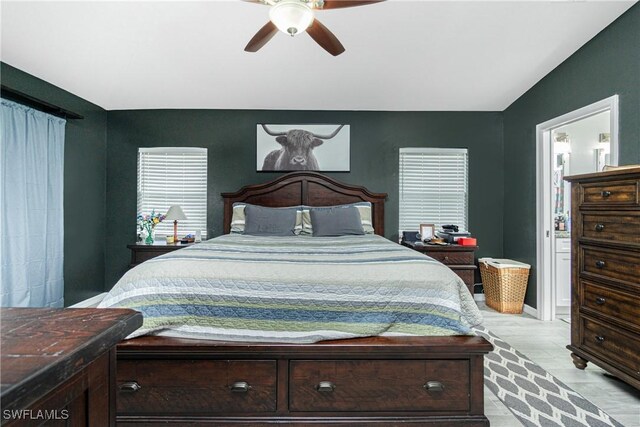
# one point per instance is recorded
(297, 289)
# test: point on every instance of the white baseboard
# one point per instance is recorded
(527, 308)
(90, 302)
(530, 311)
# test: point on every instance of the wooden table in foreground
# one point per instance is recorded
(59, 364)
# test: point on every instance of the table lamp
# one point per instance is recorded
(175, 213)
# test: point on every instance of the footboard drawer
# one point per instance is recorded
(379, 385)
(163, 387)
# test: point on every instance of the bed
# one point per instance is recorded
(385, 380)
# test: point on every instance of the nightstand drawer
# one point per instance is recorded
(142, 256)
(452, 258)
(141, 253)
(460, 259)
(467, 275)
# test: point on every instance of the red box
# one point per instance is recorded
(467, 241)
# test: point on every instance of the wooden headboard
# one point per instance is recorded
(305, 188)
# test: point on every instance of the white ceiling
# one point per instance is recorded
(400, 55)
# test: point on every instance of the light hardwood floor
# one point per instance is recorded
(544, 343)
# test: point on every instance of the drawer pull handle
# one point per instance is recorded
(240, 387)
(600, 301)
(599, 227)
(606, 193)
(599, 338)
(130, 387)
(600, 264)
(434, 386)
(325, 387)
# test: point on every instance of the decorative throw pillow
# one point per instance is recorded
(262, 221)
(363, 207)
(337, 221)
(238, 218)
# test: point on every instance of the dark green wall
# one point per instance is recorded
(608, 64)
(84, 184)
(230, 137)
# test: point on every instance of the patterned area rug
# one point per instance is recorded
(532, 394)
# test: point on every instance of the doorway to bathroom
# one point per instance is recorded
(582, 141)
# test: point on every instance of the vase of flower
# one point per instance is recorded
(147, 224)
(150, 236)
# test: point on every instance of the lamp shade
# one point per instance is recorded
(291, 16)
(175, 213)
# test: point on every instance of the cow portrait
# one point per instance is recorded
(296, 152)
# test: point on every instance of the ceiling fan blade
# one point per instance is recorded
(325, 38)
(256, 1)
(261, 38)
(339, 4)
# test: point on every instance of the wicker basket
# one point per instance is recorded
(505, 284)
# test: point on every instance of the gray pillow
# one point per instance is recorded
(261, 221)
(337, 221)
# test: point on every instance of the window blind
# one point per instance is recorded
(433, 187)
(174, 176)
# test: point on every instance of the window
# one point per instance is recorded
(174, 176)
(433, 187)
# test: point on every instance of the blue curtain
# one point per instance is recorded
(31, 215)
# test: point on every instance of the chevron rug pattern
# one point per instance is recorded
(532, 394)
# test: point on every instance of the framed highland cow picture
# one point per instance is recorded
(285, 148)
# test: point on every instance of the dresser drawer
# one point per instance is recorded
(620, 227)
(619, 265)
(612, 193)
(379, 385)
(452, 258)
(610, 302)
(611, 343)
(160, 387)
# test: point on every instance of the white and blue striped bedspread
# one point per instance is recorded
(297, 289)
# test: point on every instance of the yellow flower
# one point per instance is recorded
(156, 220)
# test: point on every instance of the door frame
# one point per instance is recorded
(545, 244)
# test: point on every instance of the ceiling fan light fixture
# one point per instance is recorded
(291, 16)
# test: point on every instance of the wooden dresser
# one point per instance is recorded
(605, 278)
(58, 365)
(460, 259)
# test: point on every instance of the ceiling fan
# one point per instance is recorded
(297, 16)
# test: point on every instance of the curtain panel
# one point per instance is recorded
(31, 207)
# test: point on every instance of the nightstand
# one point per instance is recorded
(141, 252)
(460, 259)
